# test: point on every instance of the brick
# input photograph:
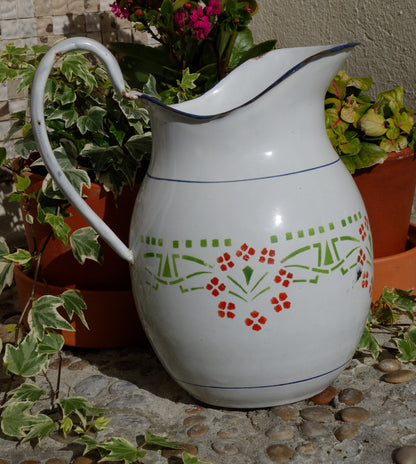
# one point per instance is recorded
(105, 5)
(3, 90)
(18, 105)
(108, 36)
(8, 10)
(77, 6)
(4, 128)
(4, 111)
(44, 26)
(108, 22)
(77, 24)
(92, 22)
(91, 6)
(25, 9)
(59, 7)
(18, 29)
(60, 24)
(43, 8)
(94, 35)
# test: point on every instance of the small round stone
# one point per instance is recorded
(225, 448)
(30, 461)
(354, 415)
(197, 430)
(313, 429)
(194, 410)
(55, 363)
(346, 431)
(55, 461)
(405, 455)
(192, 420)
(84, 460)
(231, 432)
(389, 365)
(350, 396)
(326, 396)
(280, 433)
(177, 453)
(78, 365)
(279, 453)
(401, 376)
(307, 448)
(285, 412)
(317, 413)
(3, 461)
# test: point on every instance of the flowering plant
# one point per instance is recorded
(208, 37)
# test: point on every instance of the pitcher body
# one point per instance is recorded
(250, 248)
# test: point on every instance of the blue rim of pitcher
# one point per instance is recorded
(283, 77)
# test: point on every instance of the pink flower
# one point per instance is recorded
(120, 11)
(247, 8)
(179, 19)
(199, 23)
(213, 8)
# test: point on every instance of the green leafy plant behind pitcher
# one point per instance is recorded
(363, 130)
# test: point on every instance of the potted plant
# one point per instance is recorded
(103, 145)
(375, 139)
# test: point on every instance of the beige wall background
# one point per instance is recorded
(386, 30)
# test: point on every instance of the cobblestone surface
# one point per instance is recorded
(132, 383)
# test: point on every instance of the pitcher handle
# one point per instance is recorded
(41, 136)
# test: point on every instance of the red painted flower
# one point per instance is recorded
(281, 302)
(245, 252)
(284, 278)
(256, 321)
(225, 261)
(267, 256)
(215, 287)
(225, 309)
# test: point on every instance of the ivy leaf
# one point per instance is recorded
(121, 450)
(20, 256)
(369, 343)
(407, 346)
(189, 459)
(93, 121)
(85, 245)
(60, 228)
(74, 304)
(41, 426)
(27, 74)
(22, 183)
(26, 392)
(2, 156)
(89, 443)
(68, 115)
(24, 358)
(66, 425)
(51, 343)
(101, 423)
(6, 267)
(15, 418)
(162, 442)
(44, 315)
(79, 406)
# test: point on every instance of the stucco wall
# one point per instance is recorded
(386, 30)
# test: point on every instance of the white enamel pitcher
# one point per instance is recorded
(250, 248)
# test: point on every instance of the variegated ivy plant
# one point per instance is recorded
(363, 131)
(96, 137)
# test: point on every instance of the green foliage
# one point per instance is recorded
(80, 109)
(364, 131)
(388, 315)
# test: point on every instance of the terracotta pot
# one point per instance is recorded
(397, 270)
(59, 266)
(388, 190)
(111, 315)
